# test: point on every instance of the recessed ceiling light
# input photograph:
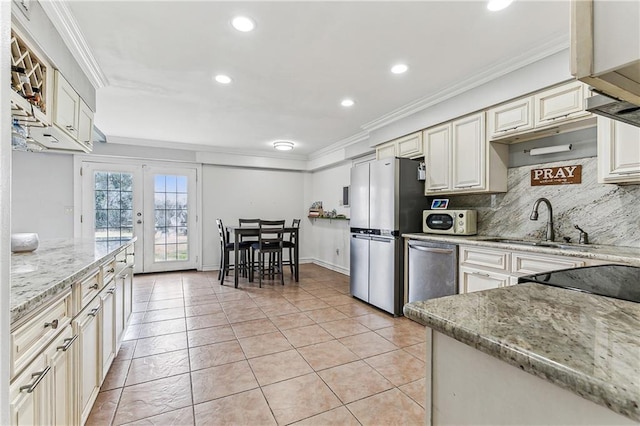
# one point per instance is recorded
(347, 102)
(283, 145)
(495, 5)
(399, 68)
(242, 23)
(223, 79)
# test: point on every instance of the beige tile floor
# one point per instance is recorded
(305, 353)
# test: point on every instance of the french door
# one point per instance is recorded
(155, 203)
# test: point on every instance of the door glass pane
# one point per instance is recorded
(113, 198)
(170, 204)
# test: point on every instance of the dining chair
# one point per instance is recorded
(254, 223)
(291, 244)
(270, 239)
(226, 248)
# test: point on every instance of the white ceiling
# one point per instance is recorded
(291, 72)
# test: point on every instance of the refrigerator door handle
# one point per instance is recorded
(361, 237)
(430, 249)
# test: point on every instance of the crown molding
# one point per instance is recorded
(358, 137)
(66, 24)
(552, 46)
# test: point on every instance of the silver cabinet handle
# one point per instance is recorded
(68, 343)
(70, 128)
(111, 290)
(111, 271)
(40, 375)
(481, 274)
(94, 312)
(95, 286)
(53, 324)
(124, 277)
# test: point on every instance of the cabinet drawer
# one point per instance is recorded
(487, 258)
(108, 271)
(477, 280)
(89, 288)
(28, 339)
(524, 264)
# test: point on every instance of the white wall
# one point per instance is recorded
(42, 190)
(327, 241)
(230, 193)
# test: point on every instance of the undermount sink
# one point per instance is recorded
(549, 244)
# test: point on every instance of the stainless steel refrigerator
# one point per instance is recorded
(387, 200)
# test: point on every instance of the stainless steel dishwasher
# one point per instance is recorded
(433, 270)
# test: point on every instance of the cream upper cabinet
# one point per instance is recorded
(66, 111)
(555, 110)
(469, 160)
(618, 152)
(409, 146)
(565, 102)
(386, 150)
(85, 125)
(438, 159)
(510, 118)
(458, 158)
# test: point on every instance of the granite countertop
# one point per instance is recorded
(614, 254)
(584, 343)
(38, 276)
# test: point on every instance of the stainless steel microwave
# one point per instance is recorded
(453, 222)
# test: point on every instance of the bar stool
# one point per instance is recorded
(291, 245)
(243, 238)
(225, 250)
(270, 239)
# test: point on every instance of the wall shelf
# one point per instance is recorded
(327, 218)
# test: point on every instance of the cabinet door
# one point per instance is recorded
(118, 320)
(387, 150)
(437, 144)
(60, 358)
(29, 394)
(107, 328)
(618, 151)
(86, 326)
(382, 279)
(85, 126)
(66, 107)
(127, 279)
(525, 264)
(478, 280)
(410, 146)
(469, 147)
(560, 104)
(509, 118)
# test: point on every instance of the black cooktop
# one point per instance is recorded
(618, 281)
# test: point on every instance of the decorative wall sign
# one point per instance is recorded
(564, 175)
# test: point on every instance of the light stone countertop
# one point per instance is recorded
(38, 276)
(587, 344)
(614, 254)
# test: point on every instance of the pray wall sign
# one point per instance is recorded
(564, 175)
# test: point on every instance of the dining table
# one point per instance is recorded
(254, 231)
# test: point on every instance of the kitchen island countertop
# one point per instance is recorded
(615, 254)
(584, 343)
(38, 276)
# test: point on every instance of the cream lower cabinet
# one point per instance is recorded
(483, 268)
(459, 159)
(618, 152)
(108, 304)
(87, 327)
(29, 395)
(60, 357)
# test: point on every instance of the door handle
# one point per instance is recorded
(40, 375)
(431, 249)
(68, 343)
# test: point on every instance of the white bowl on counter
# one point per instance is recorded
(24, 242)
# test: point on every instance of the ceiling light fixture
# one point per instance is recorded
(495, 5)
(283, 145)
(242, 23)
(399, 68)
(223, 79)
(347, 102)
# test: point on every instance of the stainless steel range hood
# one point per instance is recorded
(614, 109)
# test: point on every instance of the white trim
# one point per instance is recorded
(333, 267)
(552, 46)
(351, 140)
(67, 26)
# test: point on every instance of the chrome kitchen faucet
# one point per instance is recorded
(534, 216)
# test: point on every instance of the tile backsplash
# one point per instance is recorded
(609, 213)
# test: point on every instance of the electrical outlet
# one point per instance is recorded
(68, 209)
